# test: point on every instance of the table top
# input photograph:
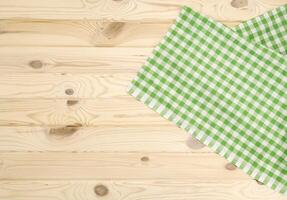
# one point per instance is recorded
(69, 130)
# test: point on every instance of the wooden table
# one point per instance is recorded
(68, 129)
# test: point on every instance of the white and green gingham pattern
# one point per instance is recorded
(229, 92)
(269, 29)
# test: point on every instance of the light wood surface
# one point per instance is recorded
(69, 131)
(135, 189)
(116, 165)
(158, 138)
(132, 10)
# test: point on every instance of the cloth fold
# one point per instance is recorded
(226, 87)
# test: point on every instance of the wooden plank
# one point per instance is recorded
(136, 189)
(137, 10)
(102, 165)
(72, 59)
(31, 85)
(79, 112)
(168, 138)
(82, 33)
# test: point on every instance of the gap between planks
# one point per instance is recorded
(98, 165)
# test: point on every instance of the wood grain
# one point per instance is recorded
(82, 33)
(137, 189)
(31, 85)
(157, 138)
(69, 131)
(86, 112)
(72, 59)
(131, 10)
(103, 165)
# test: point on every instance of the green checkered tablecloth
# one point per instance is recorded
(227, 87)
(269, 29)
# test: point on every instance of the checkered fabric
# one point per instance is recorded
(269, 29)
(228, 92)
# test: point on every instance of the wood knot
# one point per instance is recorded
(144, 159)
(230, 167)
(75, 125)
(113, 29)
(239, 3)
(72, 102)
(36, 64)
(62, 132)
(69, 91)
(101, 190)
(193, 143)
(259, 183)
